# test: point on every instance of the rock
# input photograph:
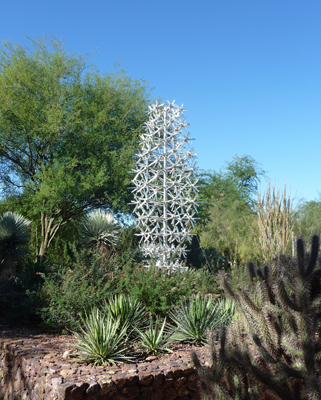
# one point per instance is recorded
(66, 354)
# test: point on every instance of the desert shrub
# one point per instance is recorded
(70, 291)
(76, 287)
(156, 289)
(22, 294)
(14, 238)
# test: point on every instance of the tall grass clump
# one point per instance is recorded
(276, 218)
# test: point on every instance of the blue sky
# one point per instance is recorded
(247, 71)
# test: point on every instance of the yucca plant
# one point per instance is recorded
(130, 312)
(195, 317)
(155, 339)
(273, 349)
(100, 229)
(14, 238)
(100, 340)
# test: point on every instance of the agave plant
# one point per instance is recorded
(155, 339)
(101, 340)
(130, 312)
(100, 229)
(195, 317)
(14, 237)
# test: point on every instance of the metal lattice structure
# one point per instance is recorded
(165, 185)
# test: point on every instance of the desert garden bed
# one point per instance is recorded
(35, 366)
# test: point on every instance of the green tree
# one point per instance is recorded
(308, 221)
(227, 214)
(67, 134)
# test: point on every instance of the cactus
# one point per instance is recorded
(272, 350)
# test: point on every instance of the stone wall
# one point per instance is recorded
(38, 367)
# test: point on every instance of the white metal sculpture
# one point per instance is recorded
(165, 185)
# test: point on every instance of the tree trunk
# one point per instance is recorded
(48, 232)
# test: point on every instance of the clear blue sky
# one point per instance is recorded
(247, 71)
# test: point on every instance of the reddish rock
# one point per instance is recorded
(157, 395)
(170, 394)
(180, 381)
(131, 391)
(146, 380)
(158, 380)
(78, 392)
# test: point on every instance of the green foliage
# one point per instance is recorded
(245, 173)
(14, 237)
(226, 214)
(72, 290)
(129, 312)
(156, 289)
(273, 347)
(67, 134)
(196, 316)
(198, 257)
(308, 220)
(100, 229)
(89, 281)
(155, 340)
(101, 340)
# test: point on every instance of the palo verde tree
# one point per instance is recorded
(227, 211)
(67, 133)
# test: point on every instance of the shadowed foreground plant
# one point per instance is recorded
(14, 237)
(195, 317)
(272, 349)
(155, 340)
(100, 340)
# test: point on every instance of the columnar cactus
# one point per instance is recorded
(165, 184)
(273, 349)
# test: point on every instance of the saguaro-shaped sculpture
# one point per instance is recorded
(165, 184)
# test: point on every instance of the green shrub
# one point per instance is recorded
(100, 229)
(69, 292)
(76, 287)
(14, 238)
(156, 289)
(23, 294)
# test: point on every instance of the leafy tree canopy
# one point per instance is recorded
(67, 133)
(237, 182)
(308, 221)
(226, 214)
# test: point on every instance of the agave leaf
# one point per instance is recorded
(100, 340)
